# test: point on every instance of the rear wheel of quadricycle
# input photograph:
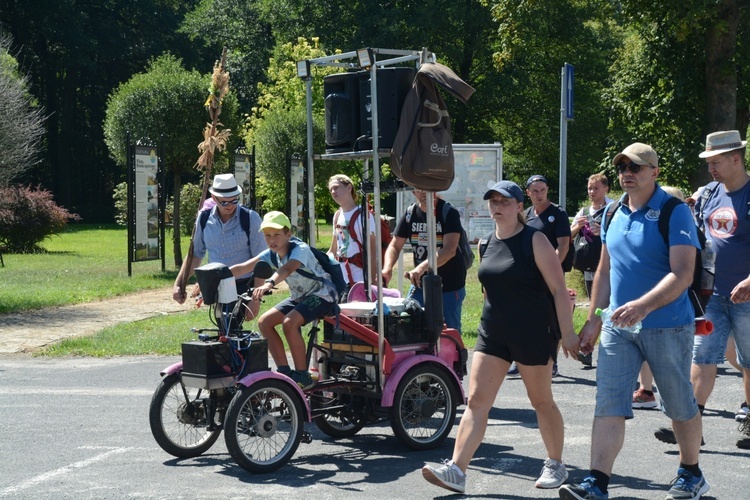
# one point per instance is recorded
(263, 427)
(178, 419)
(424, 408)
(338, 414)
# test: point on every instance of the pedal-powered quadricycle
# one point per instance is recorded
(224, 382)
(379, 359)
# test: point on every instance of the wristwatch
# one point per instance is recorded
(272, 282)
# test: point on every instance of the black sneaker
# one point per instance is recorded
(585, 359)
(666, 435)
(302, 378)
(744, 441)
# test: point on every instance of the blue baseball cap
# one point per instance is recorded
(509, 189)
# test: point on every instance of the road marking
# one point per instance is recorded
(62, 470)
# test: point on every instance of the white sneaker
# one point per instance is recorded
(554, 474)
(446, 476)
(742, 413)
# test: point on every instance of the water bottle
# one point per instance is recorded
(708, 256)
(606, 316)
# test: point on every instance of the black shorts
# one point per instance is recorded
(531, 351)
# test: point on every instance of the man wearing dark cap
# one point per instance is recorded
(551, 220)
(643, 280)
(546, 216)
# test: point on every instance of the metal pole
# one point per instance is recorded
(310, 171)
(563, 141)
(376, 205)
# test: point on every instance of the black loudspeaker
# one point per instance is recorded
(393, 85)
(341, 93)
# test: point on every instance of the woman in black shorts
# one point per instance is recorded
(519, 270)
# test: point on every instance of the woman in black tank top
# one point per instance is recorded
(519, 270)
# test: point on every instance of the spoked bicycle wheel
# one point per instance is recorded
(178, 419)
(263, 427)
(424, 408)
(342, 413)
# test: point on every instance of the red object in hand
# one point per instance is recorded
(703, 327)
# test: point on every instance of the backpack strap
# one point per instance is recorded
(664, 215)
(203, 218)
(700, 204)
(244, 220)
(610, 213)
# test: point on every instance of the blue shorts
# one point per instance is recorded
(621, 355)
(452, 304)
(310, 307)
(728, 319)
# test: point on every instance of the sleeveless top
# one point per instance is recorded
(517, 303)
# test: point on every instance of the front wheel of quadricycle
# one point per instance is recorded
(424, 408)
(177, 417)
(339, 415)
(263, 427)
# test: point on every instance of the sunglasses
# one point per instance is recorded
(230, 202)
(633, 167)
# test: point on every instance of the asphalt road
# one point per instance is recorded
(78, 428)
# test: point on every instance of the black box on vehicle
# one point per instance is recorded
(399, 330)
(214, 359)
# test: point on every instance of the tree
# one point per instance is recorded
(22, 126)
(239, 26)
(75, 54)
(535, 39)
(683, 64)
(165, 104)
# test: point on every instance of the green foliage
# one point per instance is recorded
(164, 103)
(190, 197)
(278, 126)
(120, 197)
(237, 25)
(28, 217)
(535, 39)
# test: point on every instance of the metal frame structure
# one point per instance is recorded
(367, 59)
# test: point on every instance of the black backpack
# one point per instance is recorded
(586, 253)
(464, 247)
(329, 265)
(698, 300)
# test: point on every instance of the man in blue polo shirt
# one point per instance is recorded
(643, 281)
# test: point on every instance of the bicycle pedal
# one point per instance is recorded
(306, 438)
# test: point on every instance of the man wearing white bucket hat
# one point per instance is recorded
(724, 211)
(224, 232)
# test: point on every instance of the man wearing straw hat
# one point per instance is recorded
(724, 208)
(222, 236)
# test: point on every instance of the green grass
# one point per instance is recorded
(83, 264)
(88, 263)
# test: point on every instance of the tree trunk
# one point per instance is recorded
(176, 226)
(721, 73)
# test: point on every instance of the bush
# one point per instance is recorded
(29, 216)
(121, 203)
(190, 196)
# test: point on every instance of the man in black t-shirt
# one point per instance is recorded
(546, 216)
(413, 226)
